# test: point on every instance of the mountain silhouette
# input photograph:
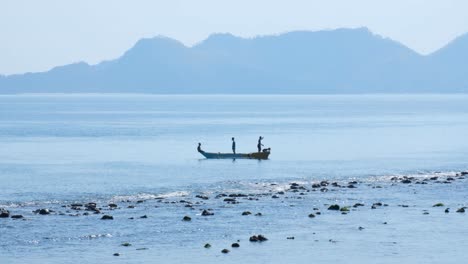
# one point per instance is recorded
(334, 61)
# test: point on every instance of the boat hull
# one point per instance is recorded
(253, 155)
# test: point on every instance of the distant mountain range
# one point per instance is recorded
(335, 61)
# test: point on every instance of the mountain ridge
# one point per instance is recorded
(328, 61)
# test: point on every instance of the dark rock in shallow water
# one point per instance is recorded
(4, 213)
(275, 196)
(406, 181)
(229, 199)
(16, 216)
(461, 210)
(361, 228)
(438, 205)
(116, 254)
(464, 173)
(235, 245)
(316, 185)
(225, 251)
(447, 210)
(202, 197)
(112, 205)
(258, 214)
(323, 183)
(187, 218)
(207, 245)
(311, 215)
(356, 205)
(290, 238)
(351, 186)
(144, 216)
(258, 238)
(246, 213)
(126, 244)
(334, 207)
(206, 213)
(42, 211)
(107, 217)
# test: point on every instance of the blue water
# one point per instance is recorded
(59, 149)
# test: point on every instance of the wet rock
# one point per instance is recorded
(450, 179)
(143, 216)
(464, 173)
(344, 209)
(112, 205)
(447, 210)
(290, 238)
(229, 199)
(76, 205)
(311, 215)
(4, 213)
(351, 186)
(130, 206)
(335, 184)
(425, 213)
(42, 211)
(258, 238)
(225, 251)
(324, 190)
(356, 205)
(318, 213)
(16, 216)
(316, 185)
(275, 196)
(207, 245)
(116, 254)
(203, 197)
(361, 228)
(433, 178)
(280, 193)
(142, 248)
(377, 204)
(107, 217)
(406, 181)
(353, 182)
(334, 207)
(258, 214)
(207, 213)
(324, 183)
(246, 213)
(126, 244)
(187, 218)
(235, 245)
(461, 210)
(237, 195)
(438, 205)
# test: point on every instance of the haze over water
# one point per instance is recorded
(57, 149)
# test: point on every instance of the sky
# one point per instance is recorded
(38, 35)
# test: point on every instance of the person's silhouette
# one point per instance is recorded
(233, 146)
(260, 145)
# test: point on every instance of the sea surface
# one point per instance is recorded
(139, 152)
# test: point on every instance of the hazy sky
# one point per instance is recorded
(37, 35)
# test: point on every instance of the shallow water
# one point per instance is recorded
(60, 149)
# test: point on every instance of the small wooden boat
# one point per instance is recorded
(254, 155)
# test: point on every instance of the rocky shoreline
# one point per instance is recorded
(206, 205)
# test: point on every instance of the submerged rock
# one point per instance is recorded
(116, 254)
(438, 205)
(187, 218)
(258, 238)
(107, 217)
(461, 210)
(203, 197)
(16, 216)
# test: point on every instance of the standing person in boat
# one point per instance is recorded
(199, 148)
(233, 146)
(260, 145)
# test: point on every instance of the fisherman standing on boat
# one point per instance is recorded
(233, 146)
(260, 145)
